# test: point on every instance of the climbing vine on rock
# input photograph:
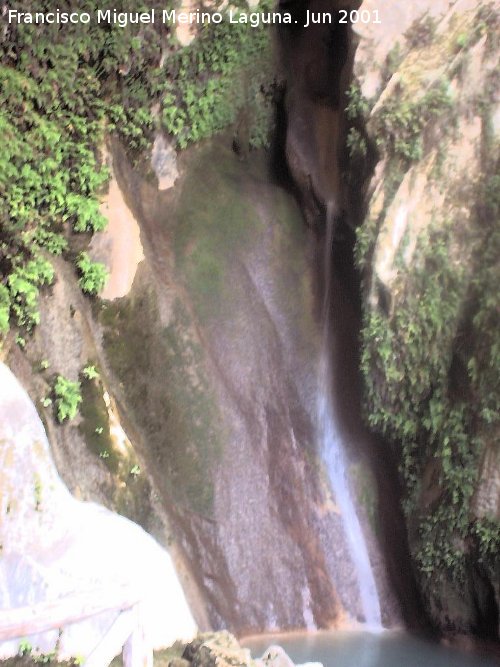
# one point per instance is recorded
(63, 86)
(225, 74)
(432, 388)
(431, 329)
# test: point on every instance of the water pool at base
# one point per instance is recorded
(364, 649)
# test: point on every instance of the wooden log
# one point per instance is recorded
(113, 641)
(31, 620)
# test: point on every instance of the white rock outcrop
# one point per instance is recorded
(53, 546)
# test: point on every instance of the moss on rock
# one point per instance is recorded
(161, 373)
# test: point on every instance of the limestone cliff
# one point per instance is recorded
(57, 548)
(199, 370)
(420, 184)
(423, 113)
(192, 383)
(201, 423)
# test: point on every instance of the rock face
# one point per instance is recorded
(429, 251)
(164, 163)
(222, 649)
(318, 62)
(54, 546)
(221, 393)
(201, 423)
(209, 366)
(420, 174)
(119, 245)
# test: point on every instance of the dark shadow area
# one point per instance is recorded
(348, 399)
(319, 63)
(279, 171)
(486, 608)
(348, 389)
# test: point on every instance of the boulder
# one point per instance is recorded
(54, 547)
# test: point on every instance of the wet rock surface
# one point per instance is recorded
(428, 46)
(210, 368)
(228, 434)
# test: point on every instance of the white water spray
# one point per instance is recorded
(333, 456)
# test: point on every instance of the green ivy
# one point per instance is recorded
(61, 88)
(225, 72)
(446, 322)
(68, 398)
(93, 275)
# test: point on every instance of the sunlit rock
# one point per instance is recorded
(119, 246)
(164, 163)
(54, 546)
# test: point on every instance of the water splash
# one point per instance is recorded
(307, 613)
(334, 458)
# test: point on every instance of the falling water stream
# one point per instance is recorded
(334, 458)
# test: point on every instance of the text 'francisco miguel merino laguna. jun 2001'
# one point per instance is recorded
(174, 16)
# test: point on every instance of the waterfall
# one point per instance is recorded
(334, 458)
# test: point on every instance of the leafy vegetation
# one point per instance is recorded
(356, 144)
(23, 283)
(431, 344)
(28, 656)
(224, 76)
(49, 170)
(401, 122)
(90, 372)
(61, 87)
(68, 398)
(93, 275)
(357, 104)
(432, 386)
